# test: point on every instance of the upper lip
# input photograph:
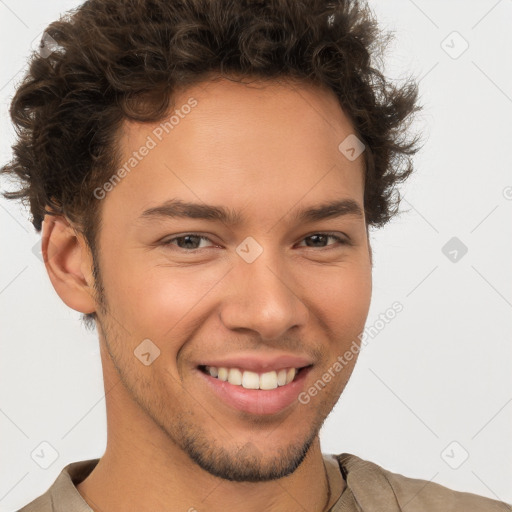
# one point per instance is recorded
(259, 363)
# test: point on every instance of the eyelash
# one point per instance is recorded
(340, 240)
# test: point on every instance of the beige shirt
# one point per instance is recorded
(369, 488)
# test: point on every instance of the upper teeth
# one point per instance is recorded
(253, 380)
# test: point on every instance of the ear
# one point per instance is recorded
(69, 264)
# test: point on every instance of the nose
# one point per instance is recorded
(264, 298)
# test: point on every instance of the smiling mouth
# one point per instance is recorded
(254, 380)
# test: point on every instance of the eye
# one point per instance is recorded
(186, 241)
(322, 238)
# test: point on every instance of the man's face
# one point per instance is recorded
(270, 292)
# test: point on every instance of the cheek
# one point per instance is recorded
(157, 301)
(343, 304)
(342, 296)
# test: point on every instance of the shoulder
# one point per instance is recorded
(62, 494)
(41, 504)
(411, 494)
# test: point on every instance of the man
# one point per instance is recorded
(204, 174)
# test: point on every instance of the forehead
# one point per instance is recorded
(251, 106)
(259, 143)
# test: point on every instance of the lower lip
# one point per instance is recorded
(257, 401)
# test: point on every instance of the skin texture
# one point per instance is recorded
(265, 150)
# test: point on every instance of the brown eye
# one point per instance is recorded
(317, 240)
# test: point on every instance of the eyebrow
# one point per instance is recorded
(175, 208)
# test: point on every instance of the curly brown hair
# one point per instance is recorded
(123, 59)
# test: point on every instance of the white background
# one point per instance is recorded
(438, 373)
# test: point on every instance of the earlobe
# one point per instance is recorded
(67, 260)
